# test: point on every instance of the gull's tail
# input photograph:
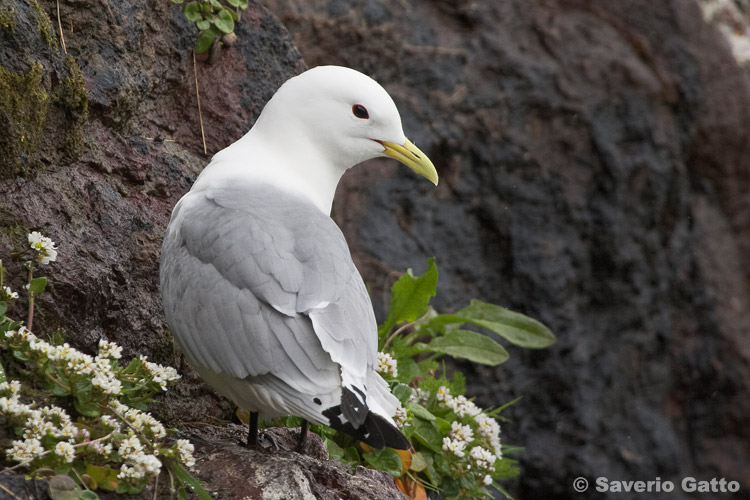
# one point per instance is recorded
(356, 419)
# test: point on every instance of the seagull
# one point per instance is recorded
(257, 282)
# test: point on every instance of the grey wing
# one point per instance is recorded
(259, 282)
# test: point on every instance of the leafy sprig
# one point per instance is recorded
(215, 19)
(456, 444)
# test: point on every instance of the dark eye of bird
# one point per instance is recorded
(360, 111)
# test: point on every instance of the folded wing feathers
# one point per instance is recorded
(290, 268)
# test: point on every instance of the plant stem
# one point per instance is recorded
(31, 299)
(394, 334)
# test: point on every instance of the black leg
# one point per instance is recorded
(252, 435)
(302, 436)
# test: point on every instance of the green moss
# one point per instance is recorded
(72, 96)
(7, 20)
(44, 25)
(23, 109)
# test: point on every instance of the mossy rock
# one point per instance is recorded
(43, 103)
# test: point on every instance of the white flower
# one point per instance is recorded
(111, 421)
(11, 387)
(185, 448)
(37, 426)
(109, 350)
(102, 449)
(13, 407)
(461, 432)
(463, 407)
(65, 450)
(161, 374)
(419, 396)
(107, 382)
(23, 333)
(44, 248)
(9, 294)
(386, 364)
(454, 446)
(488, 428)
(142, 421)
(484, 459)
(400, 416)
(130, 447)
(487, 480)
(128, 472)
(28, 449)
(140, 466)
(150, 464)
(443, 394)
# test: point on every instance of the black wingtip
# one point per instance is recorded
(375, 431)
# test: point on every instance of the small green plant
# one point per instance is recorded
(214, 19)
(457, 448)
(84, 416)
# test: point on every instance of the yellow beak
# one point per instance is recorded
(412, 157)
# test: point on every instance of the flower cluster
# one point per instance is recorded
(138, 420)
(7, 294)
(110, 431)
(386, 365)
(44, 248)
(401, 416)
(138, 463)
(35, 426)
(474, 437)
(461, 406)
(161, 374)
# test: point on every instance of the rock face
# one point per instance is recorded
(594, 168)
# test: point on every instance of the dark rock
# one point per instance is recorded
(594, 168)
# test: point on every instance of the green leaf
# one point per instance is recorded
(225, 21)
(410, 296)
(402, 392)
(193, 12)
(386, 460)
(105, 476)
(203, 25)
(234, 3)
(3, 377)
(517, 328)
(3, 308)
(418, 462)
(243, 4)
(178, 2)
(190, 482)
(420, 411)
(335, 452)
(181, 493)
(204, 41)
(82, 388)
(465, 344)
(88, 495)
(428, 434)
(38, 285)
(87, 409)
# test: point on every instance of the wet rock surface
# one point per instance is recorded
(594, 171)
(594, 168)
